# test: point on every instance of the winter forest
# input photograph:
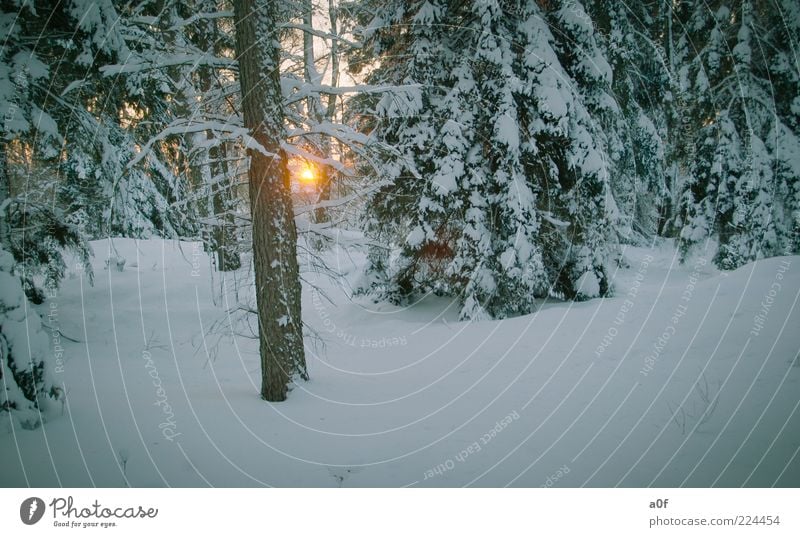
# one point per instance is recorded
(385, 243)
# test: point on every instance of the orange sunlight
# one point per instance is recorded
(307, 175)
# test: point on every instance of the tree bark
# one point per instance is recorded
(5, 194)
(222, 237)
(274, 233)
(315, 111)
(224, 231)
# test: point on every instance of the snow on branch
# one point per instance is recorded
(342, 133)
(182, 127)
(138, 66)
(319, 33)
(328, 204)
(309, 90)
(307, 155)
(202, 16)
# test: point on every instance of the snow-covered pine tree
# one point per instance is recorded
(25, 370)
(500, 192)
(497, 256)
(75, 123)
(713, 162)
(780, 34)
(635, 131)
(33, 235)
(171, 81)
(409, 35)
(33, 225)
(584, 168)
(742, 182)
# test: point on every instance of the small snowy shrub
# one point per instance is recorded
(24, 349)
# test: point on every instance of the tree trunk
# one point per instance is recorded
(274, 234)
(222, 235)
(326, 172)
(315, 112)
(224, 231)
(5, 194)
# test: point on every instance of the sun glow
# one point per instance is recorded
(307, 175)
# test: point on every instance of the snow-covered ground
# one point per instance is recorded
(687, 377)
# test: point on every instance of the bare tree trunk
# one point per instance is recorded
(274, 232)
(5, 193)
(224, 230)
(315, 109)
(313, 102)
(326, 175)
(222, 236)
